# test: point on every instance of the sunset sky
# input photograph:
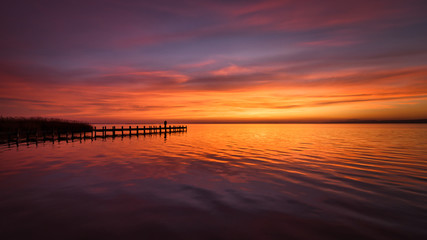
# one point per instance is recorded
(201, 61)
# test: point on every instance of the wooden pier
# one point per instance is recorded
(103, 132)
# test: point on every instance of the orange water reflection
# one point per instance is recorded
(250, 181)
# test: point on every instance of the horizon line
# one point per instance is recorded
(356, 121)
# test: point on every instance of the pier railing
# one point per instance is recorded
(113, 132)
(103, 132)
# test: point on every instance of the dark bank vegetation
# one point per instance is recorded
(11, 124)
(14, 128)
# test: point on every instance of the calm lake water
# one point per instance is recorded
(249, 181)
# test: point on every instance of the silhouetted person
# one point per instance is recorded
(166, 122)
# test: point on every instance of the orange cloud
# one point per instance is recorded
(232, 70)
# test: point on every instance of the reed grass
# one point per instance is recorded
(13, 124)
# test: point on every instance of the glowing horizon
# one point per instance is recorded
(108, 61)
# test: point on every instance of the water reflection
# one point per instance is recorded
(222, 182)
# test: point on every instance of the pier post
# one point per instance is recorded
(17, 136)
(170, 128)
(122, 131)
(137, 131)
(130, 131)
(144, 130)
(94, 130)
(80, 135)
(114, 131)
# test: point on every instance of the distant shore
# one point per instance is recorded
(355, 121)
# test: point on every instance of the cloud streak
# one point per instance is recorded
(133, 60)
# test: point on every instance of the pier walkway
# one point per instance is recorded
(103, 132)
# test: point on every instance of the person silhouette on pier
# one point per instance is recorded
(165, 122)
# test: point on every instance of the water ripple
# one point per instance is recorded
(229, 181)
